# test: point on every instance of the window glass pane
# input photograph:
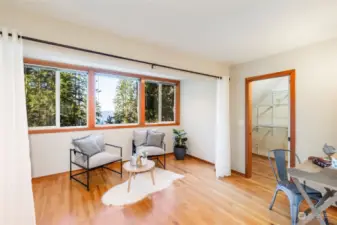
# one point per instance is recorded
(40, 96)
(151, 102)
(116, 99)
(167, 105)
(73, 98)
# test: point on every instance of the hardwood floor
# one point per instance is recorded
(199, 198)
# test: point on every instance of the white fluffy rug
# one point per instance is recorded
(140, 188)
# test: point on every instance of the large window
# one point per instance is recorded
(116, 99)
(159, 102)
(63, 97)
(55, 97)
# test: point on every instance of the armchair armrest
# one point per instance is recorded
(79, 152)
(164, 146)
(115, 146)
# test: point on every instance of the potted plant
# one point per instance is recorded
(179, 144)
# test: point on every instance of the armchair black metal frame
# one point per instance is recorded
(88, 169)
(134, 151)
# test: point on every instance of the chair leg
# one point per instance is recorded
(164, 161)
(294, 208)
(70, 169)
(325, 218)
(121, 168)
(273, 200)
(88, 180)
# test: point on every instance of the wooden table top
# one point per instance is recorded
(326, 177)
(134, 169)
(308, 166)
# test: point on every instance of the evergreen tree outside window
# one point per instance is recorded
(116, 99)
(73, 100)
(64, 97)
(40, 96)
(55, 98)
(159, 102)
(168, 103)
(151, 102)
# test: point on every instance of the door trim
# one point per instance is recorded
(248, 114)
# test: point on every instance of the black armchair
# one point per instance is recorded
(89, 163)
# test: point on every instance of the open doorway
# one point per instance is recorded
(270, 116)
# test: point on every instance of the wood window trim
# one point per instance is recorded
(91, 98)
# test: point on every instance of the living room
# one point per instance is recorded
(187, 76)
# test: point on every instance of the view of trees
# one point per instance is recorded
(167, 112)
(124, 100)
(73, 98)
(41, 96)
(151, 102)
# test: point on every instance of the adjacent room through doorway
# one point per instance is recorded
(270, 118)
(270, 121)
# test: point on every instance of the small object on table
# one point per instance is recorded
(329, 150)
(334, 161)
(320, 161)
(133, 170)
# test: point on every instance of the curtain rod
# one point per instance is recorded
(113, 56)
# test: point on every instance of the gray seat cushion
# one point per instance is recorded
(98, 159)
(151, 150)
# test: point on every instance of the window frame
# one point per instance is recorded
(138, 99)
(91, 104)
(160, 88)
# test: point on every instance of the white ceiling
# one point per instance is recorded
(231, 31)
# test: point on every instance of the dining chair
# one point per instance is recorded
(287, 186)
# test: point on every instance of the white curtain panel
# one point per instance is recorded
(16, 203)
(222, 138)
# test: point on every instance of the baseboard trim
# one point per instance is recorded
(210, 163)
(199, 159)
(77, 170)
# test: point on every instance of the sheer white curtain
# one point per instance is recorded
(16, 203)
(222, 138)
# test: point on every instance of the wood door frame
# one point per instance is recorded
(248, 109)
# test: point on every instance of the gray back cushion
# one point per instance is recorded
(154, 138)
(139, 137)
(100, 141)
(87, 145)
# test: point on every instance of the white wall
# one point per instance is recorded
(50, 152)
(316, 98)
(198, 100)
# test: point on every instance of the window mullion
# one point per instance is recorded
(175, 103)
(159, 102)
(57, 98)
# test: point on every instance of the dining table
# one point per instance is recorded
(318, 176)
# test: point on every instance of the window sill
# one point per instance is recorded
(64, 130)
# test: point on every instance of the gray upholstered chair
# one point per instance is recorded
(287, 186)
(142, 142)
(83, 156)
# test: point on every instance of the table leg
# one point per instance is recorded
(129, 183)
(152, 176)
(315, 213)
